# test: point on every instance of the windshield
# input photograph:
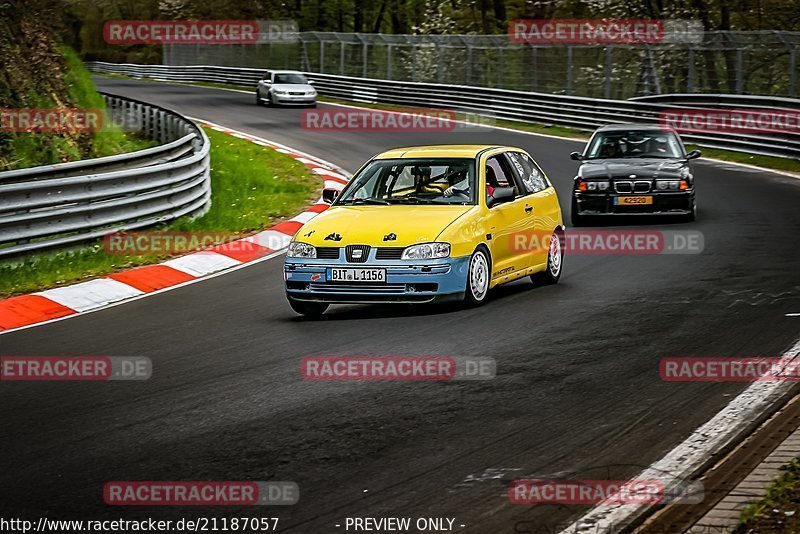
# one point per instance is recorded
(291, 78)
(413, 181)
(635, 144)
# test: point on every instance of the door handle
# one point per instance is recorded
(528, 209)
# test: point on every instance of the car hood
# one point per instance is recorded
(292, 87)
(642, 168)
(384, 226)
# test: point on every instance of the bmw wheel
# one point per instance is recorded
(478, 278)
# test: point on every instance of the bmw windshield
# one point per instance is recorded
(634, 144)
(413, 181)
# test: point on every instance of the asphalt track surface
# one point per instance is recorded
(578, 392)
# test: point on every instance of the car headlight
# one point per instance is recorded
(311, 93)
(279, 92)
(594, 185)
(301, 250)
(426, 251)
(663, 185)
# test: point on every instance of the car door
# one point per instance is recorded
(505, 221)
(540, 194)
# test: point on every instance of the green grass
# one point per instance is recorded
(33, 149)
(252, 186)
(779, 510)
(767, 162)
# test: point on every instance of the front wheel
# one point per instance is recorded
(478, 277)
(309, 309)
(555, 262)
(259, 102)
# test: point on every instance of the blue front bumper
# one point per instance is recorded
(406, 280)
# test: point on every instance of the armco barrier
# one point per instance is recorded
(577, 112)
(55, 205)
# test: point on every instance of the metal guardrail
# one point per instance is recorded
(572, 111)
(67, 203)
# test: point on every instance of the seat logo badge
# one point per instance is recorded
(356, 254)
(333, 237)
(390, 237)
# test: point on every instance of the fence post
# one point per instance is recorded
(500, 68)
(569, 70)
(690, 74)
(322, 57)
(739, 73)
(607, 71)
(341, 58)
(389, 61)
(414, 63)
(793, 72)
(365, 59)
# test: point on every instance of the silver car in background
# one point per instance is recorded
(281, 87)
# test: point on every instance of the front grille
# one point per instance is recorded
(641, 187)
(295, 93)
(351, 253)
(389, 253)
(328, 253)
(623, 187)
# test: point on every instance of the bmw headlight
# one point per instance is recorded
(427, 251)
(664, 185)
(301, 250)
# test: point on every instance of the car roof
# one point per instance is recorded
(634, 126)
(438, 151)
(284, 72)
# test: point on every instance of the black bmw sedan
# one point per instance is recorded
(634, 169)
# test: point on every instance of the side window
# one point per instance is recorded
(532, 177)
(499, 175)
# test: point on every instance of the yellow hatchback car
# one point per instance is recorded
(423, 224)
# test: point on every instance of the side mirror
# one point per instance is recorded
(576, 156)
(693, 154)
(500, 195)
(266, 81)
(310, 82)
(329, 196)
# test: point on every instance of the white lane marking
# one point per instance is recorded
(157, 292)
(684, 461)
(271, 239)
(202, 263)
(304, 217)
(91, 294)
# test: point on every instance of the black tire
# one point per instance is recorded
(477, 289)
(555, 261)
(690, 217)
(270, 103)
(308, 309)
(576, 218)
(314, 105)
(259, 102)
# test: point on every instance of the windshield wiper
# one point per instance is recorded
(368, 200)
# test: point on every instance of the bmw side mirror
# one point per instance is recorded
(693, 154)
(576, 156)
(500, 195)
(329, 196)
